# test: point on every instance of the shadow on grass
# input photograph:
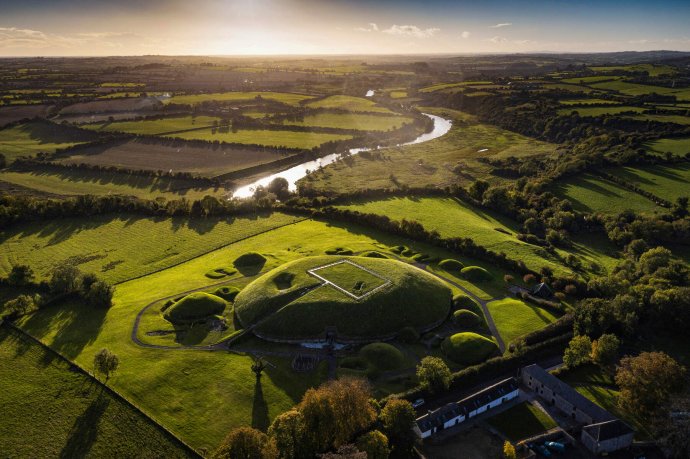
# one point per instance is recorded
(260, 419)
(84, 432)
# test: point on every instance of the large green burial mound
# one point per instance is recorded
(468, 348)
(195, 306)
(361, 297)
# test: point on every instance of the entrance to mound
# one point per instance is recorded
(350, 278)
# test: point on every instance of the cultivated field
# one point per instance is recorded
(286, 139)
(193, 99)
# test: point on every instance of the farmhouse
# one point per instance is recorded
(455, 413)
(607, 437)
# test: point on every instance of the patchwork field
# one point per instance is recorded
(590, 193)
(515, 318)
(675, 146)
(51, 411)
(350, 103)
(669, 182)
(154, 127)
(34, 137)
(123, 248)
(193, 99)
(286, 139)
(171, 155)
(431, 163)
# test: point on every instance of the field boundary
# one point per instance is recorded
(213, 250)
(114, 393)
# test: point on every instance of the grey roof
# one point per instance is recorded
(609, 429)
(452, 410)
(542, 290)
(597, 413)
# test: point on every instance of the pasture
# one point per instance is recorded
(229, 97)
(677, 119)
(599, 111)
(356, 121)
(635, 89)
(515, 318)
(676, 146)
(349, 103)
(652, 69)
(589, 193)
(31, 138)
(666, 181)
(591, 79)
(592, 101)
(286, 139)
(154, 126)
(49, 410)
(172, 155)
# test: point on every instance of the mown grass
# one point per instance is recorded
(49, 410)
(288, 139)
(357, 121)
(430, 163)
(675, 146)
(193, 99)
(350, 103)
(124, 247)
(166, 384)
(154, 127)
(599, 111)
(455, 218)
(77, 182)
(515, 318)
(35, 137)
(589, 193)
(522, 421)
(666, 181)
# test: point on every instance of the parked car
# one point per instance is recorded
(417, 403)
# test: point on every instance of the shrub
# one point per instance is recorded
(468, 348)
(228, 293)
(466, 319)
(250, 259)
(408, 335)
(195, 306)
(451, 265)
(475, 273)
(382, 356)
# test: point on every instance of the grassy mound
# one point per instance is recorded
(382, 356)
(227, 293)
(195, 306)
(219, 273)
(373, 254)
(468, 348)
(451, 265)
(339, 251)
(465, 302)
(396, 296)
(476, 273)
(249, 259)
(466, 319)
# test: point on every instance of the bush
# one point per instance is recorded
(466, 319)
(408, 335)
(227, 293)
(250, 259)
(468, 348)
(475, 273)
(195, 306)
(451, 265)
(382, 356)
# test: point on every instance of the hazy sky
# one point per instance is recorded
(127, 27)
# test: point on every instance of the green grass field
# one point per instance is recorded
(666, 181)
(124, 247)
(522, 421)
(677, 119)
(444, 86)
(635, 89)
(154, 127)
(75, 182)
(349, 103)
(587, 102)
(590, 193)
(35, 137)
(357, 121)
(590, 79)
(652, 69)
(193, 99)
(288, 139)
(515, 318)
(675, 146)
(599, 111)
(430, 163)
(454, 218)
(48, 410)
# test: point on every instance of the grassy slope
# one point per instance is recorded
(31, 138)
(522, 421)
(50, 411)
(515, 318)
(679, 146)
(668, 182)
(289, 139)
(167, 384)
(124, 247)
(589, 193)
(454, 218)
(288, 98)
(353, 104)
(431, 163)
(153, 127)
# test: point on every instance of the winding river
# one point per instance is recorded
(293, 174)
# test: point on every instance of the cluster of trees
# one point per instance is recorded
(336, 420)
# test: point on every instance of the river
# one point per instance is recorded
(293, 174)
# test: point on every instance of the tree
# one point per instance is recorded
(647, 382)
(20, 275)
(434, 374)
(398, 418)
(100, 294)
(246, 443)
(66, 278)
(653, 259)
(258, 366)
(478, 188)
(105, 363)
(22, 305)
(605, 349)
(279, 187)
(509, 450)
(578, 351)
(345, 452)
(375, 444)
(288, 431)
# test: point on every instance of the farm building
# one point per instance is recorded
(455, 413)
(607, 437)
(542, 291)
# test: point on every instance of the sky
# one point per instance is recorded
(278, 27)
